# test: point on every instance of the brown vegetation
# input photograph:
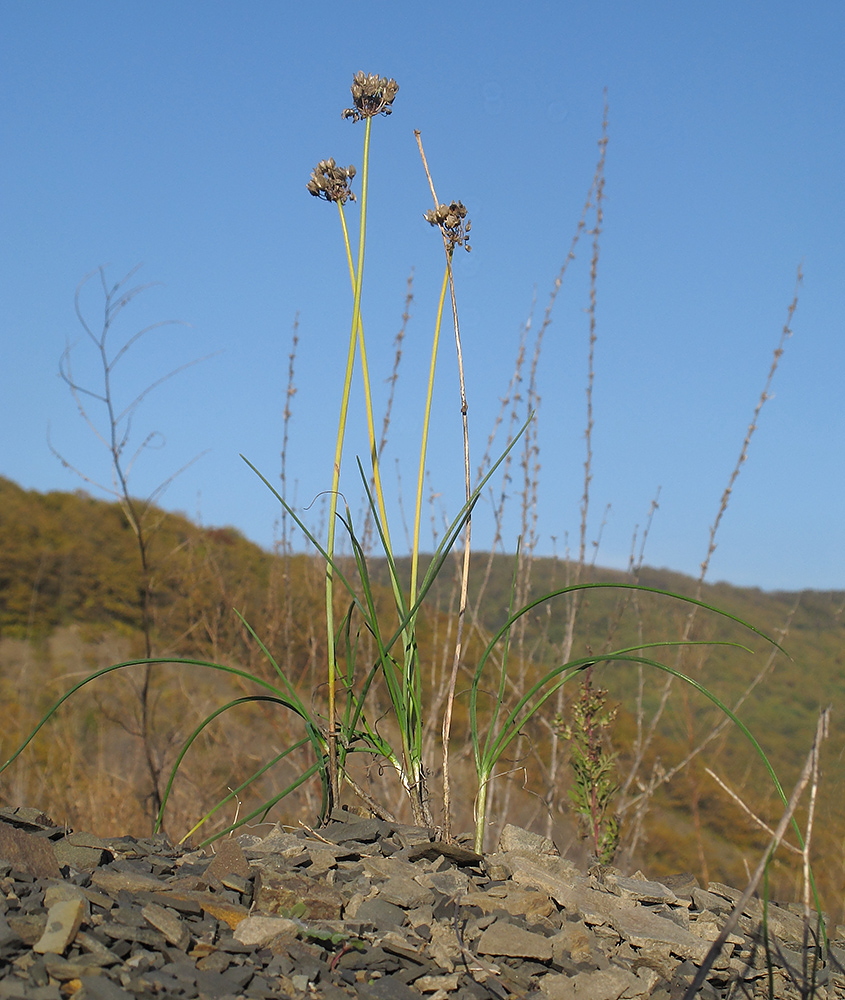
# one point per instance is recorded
(69, 604)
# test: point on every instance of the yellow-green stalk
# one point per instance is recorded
(358, 275)
(415, 552)
(372, 95)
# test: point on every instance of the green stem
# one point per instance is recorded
(365, 371)
(415, 553)
(411, 698)
(480, 812)
(333, 496)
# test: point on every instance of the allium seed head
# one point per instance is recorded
(372, 95)
(450, 218)
(331, 182)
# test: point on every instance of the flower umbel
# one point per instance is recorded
(331, 182)
(372, 95)
(450, 218)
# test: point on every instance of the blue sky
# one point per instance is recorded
(180, 135)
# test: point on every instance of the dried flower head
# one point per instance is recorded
(372, 95)
(331, 182)
(450, 219)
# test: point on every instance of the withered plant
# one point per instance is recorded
(110, 413)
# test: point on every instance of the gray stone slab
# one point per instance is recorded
(27, 852)
(572, 892)
(380, 913)
(258, 931)
(112, 882)
(63, 921)
(526, 924)
(607, 984)
(642, 890)
(451, 882)
(528, 903)
(515, 838)
(405, 892)
(386, 988)
(641, 927)
(100, 988)
(65, 969)
(229, 859)
(174, 929)
(506, 939)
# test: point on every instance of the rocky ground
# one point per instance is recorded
(376, 911)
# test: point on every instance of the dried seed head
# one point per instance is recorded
(450, 219)
(331, 182)
(372, 95)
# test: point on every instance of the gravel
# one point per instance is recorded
(373, 910)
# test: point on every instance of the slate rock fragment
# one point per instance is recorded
(403, 916)
(64, 919)
(504, 938)
(28, 852)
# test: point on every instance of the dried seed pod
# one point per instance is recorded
(372, 95)
(450, 218)
(331, 182)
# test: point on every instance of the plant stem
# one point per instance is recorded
(334, 494)
(365, 373)
(415, 553)
(462, 602)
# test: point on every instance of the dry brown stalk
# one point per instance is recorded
(640, 803)
(764, 826)
(595, 200)
(509, 402)
(809, 775)
(114, 432)
(287, 416)
(654, 781)
(467, 533)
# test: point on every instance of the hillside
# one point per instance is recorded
(70, 601)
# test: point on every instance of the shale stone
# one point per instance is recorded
(380, 913)
(523, 902)
(259, 931)
(28, 852)
(175, 930)
(100, 988)
(397, 916)
(607, 984)
(296, 895)
(503, 938)
(405, 892)
(229, 860)
(63, 921)
(514, 838)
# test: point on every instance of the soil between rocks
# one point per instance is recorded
(373, 910)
